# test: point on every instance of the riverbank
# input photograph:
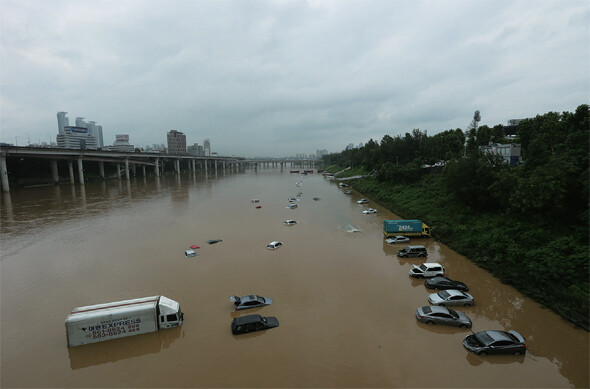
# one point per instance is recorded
(545, 261)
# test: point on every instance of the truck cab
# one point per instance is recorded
(169, 313)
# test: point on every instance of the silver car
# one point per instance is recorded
(250, 301)
(442, 315)
(397, 239)
(451, 297)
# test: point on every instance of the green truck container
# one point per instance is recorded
(405, 228)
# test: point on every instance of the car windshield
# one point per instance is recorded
(444, 294)
(426, 309)
(260, 299)
(484, 338)
(423, 266)
(454, 314)
(263, 319)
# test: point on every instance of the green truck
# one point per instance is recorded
(405, 228)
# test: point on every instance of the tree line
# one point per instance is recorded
(552, 181)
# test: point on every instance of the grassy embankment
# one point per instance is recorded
(545, 261)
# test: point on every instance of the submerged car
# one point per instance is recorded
(451, 297)
(274, 245)
(291, 206)
(362, 201)
(397, 239)
(290, 222)
(348, 191)
(250, 301)
(443, 283)
(370, 210)
(495, 342)
(413, 251)
(442, 315)
(427, 270)
(213, 241)
(190, 253)
(251, 323)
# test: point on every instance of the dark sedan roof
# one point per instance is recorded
(247, 319)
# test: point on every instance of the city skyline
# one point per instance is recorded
(280, 78)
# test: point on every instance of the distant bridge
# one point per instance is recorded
(133, 159)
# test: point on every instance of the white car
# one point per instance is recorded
(370, 210)
(291, 206)
(363, 201)
(274, 245)
(397, 239)
(427, 270)
(290, 222)
(190, 253)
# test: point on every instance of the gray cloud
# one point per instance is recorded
(279, 78)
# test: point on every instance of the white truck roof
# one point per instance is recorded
(167, 306)
(99, 310)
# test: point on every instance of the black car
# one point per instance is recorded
(495, 342)
(443, 283)
(251, 323)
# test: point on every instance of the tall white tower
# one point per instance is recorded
(62, 121)
(207, 147)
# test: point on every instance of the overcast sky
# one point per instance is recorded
(277, 78)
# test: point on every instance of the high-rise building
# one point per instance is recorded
(98, 135)
(195, 150)
(207, 147)
(80, 122)
(76, 138)
(71, 136)
(176, 142)
(62, 122)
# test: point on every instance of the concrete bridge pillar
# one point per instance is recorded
(4, 174)
(101, 169)
(118, 170)
(224, 168)
(177, 164)
(206, 167)
(54, 172)
(157, 167)
(71, 171)
(127, 169)
(80, 171)
(215, 162)
(143, 170)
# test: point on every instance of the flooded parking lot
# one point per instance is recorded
(344, 300)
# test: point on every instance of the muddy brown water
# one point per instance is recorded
(344, 300)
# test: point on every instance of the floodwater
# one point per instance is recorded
(344, 300)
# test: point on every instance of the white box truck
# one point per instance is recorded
(96, 323)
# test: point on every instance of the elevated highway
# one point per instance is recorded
(130, 160)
